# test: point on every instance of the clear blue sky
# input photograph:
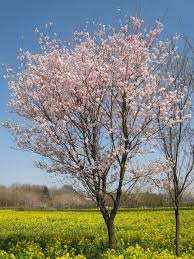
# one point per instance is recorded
(17, 22)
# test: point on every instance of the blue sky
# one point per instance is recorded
(18, 20)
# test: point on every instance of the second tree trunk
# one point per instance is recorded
(177, 235)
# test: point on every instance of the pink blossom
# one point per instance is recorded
(136, 22)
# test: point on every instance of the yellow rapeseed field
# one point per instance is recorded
(82, 234)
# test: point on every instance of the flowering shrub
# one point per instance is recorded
(79, 235)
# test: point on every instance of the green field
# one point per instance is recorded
(82, 234)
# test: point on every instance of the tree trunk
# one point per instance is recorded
(111, 234)
(177, 236)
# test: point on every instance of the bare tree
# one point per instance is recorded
(90, 109)
(176, 141)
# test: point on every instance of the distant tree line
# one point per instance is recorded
(37, 197)
(153, 200)
(41, 197)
